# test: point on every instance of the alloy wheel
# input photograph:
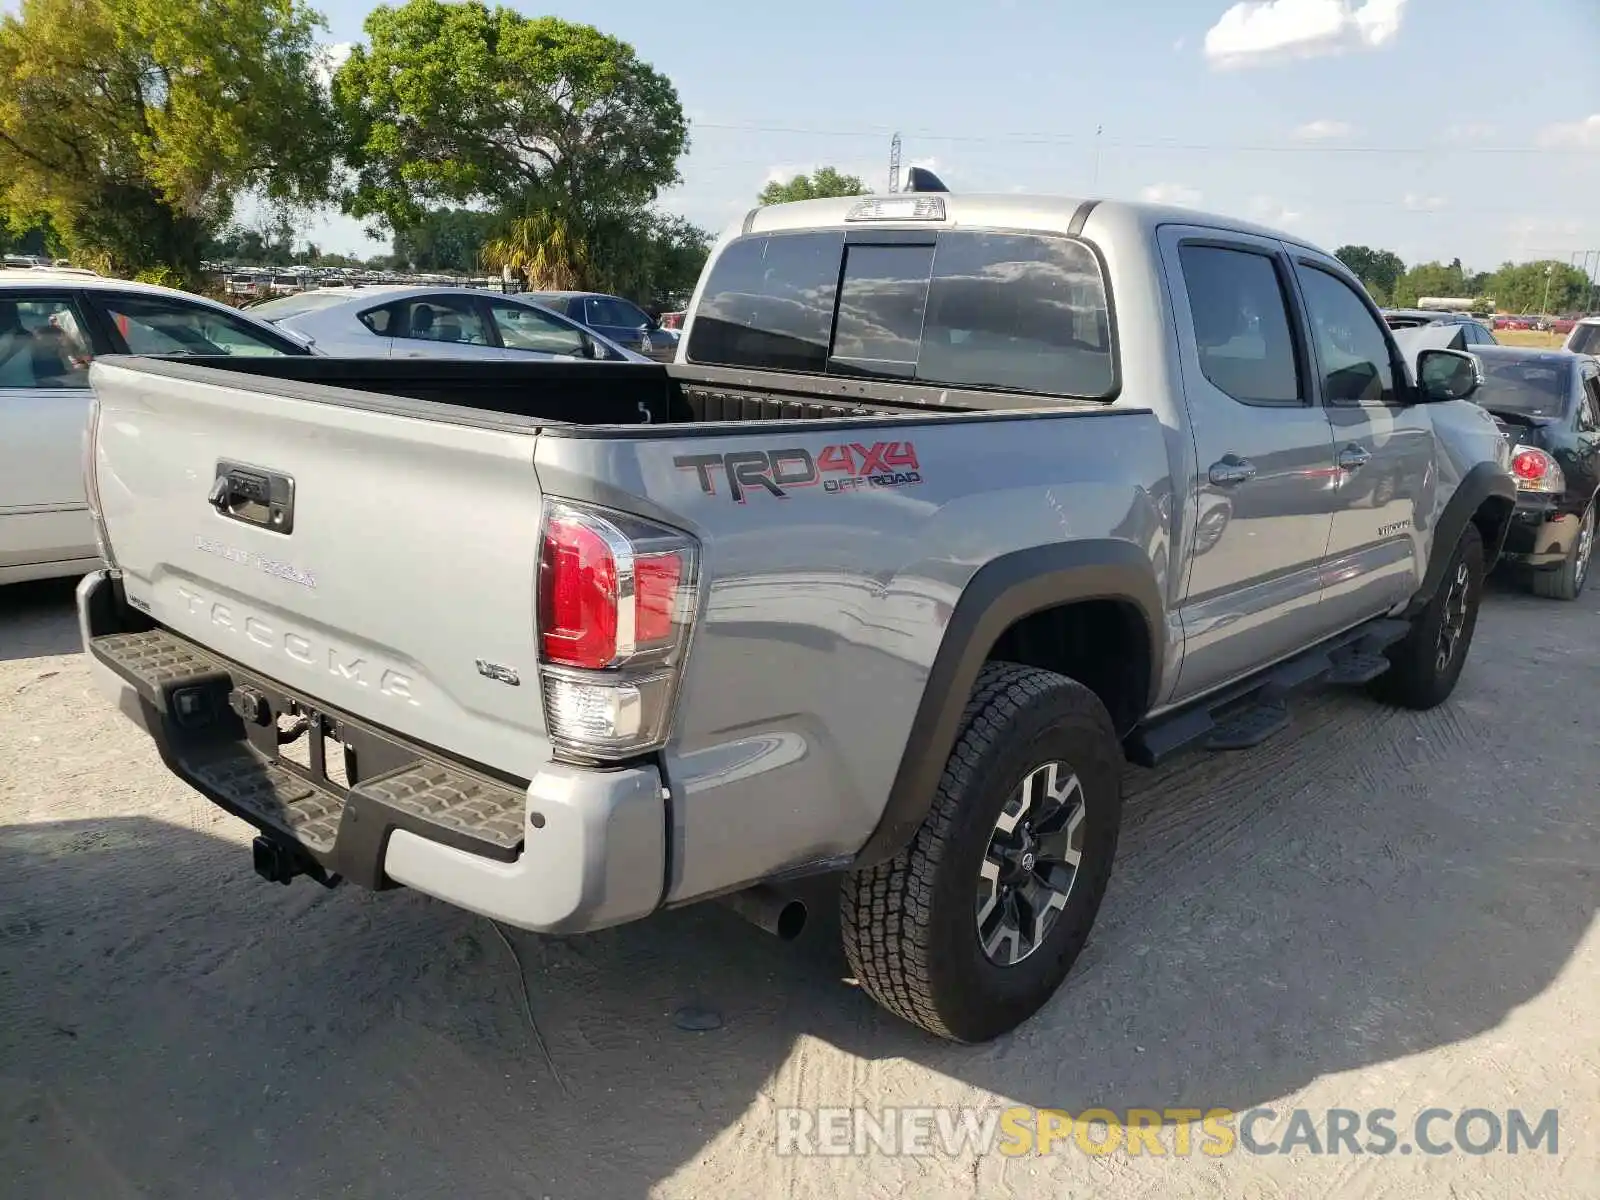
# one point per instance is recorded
(1455, 617)
(1030, 864)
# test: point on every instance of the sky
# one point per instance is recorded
(1433, 128)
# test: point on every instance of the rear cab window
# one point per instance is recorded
(958, 308)
(1526, 387)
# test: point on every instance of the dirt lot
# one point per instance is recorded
(1374, 910)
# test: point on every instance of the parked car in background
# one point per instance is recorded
(1548, 404)
(1473, 331)
(623, 321)
(52, 325)
(435, 322)
(1585, 337)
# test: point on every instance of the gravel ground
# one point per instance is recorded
(1373, 910)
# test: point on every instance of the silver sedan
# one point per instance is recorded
(434, 322)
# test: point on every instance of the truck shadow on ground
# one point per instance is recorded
(32, 614)
(1369, 885)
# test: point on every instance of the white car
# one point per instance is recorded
(434, 322)
(52, 324)
(1585, 337)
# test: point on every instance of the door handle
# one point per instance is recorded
(1231, 470)
(1353, 458)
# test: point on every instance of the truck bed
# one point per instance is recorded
(588, 394)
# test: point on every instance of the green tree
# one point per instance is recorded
(1429, 279)
(445, 239)
(1378, 270)
(823, 182)
(650, 258)
(1521, 287)
(32, 237)
(456, 103)
(133, 124)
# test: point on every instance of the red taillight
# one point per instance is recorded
(577, 595)
(604, 596)
(1530, 464)
(1536, 471)
(616, 601)
(656, 581)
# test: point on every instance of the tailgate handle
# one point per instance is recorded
(253, 495)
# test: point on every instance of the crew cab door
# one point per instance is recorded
(1383, 447)
(1257, 522)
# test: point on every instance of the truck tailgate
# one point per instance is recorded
(383, 564)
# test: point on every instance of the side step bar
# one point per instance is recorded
(1247, 713)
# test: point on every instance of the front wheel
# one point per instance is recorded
(1425, 664)
(972, 927)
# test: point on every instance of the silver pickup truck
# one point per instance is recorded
(950, 506)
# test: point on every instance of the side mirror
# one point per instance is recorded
(1447, 375)
(586, 346)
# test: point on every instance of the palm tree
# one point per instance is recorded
(546, 247)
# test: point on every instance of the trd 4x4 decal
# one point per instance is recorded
(846, 467)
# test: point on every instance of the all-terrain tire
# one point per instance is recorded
(1566, 581)
(1420, 676)
(910, 924)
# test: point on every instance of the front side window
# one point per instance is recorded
(43, 344)
(523, 327)
(158, 325)
(1351, 347)
(1241, 324)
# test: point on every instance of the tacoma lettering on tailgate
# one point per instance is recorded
(846, 467)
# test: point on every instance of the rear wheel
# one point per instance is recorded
(972, 927)
(1566, 581)
(1426, 663)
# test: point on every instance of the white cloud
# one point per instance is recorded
(1324, 131)
(1268, 210)
(1415, 202)
(1179, 194)
(1178, 45)
(1572, 133)
(1472, 131)
(1255, 31)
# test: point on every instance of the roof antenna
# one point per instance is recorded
(920, 179)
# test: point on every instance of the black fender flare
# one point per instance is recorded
(1486, 481)
(1002, 592)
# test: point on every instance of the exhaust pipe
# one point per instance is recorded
(782, 916)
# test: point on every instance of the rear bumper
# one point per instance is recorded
(1541, 532)
(568, 851)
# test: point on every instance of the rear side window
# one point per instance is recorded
(381, 320)
(1241, 324)
(1016, 312)
(1585, 339)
